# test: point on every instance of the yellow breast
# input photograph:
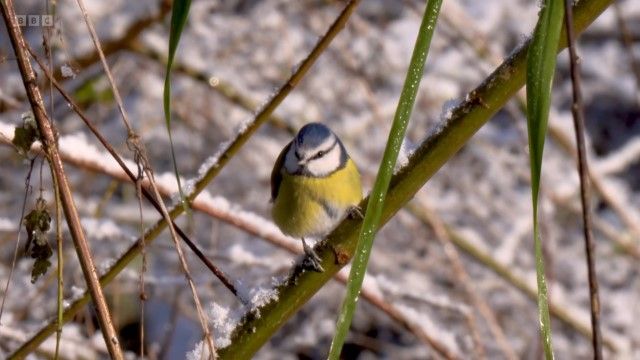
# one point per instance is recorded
(307, 206)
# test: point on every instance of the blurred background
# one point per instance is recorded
(458, 261)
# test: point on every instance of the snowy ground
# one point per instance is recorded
(482, 194)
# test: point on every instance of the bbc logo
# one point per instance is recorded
(35, 20)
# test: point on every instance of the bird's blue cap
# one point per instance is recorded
(312, 135)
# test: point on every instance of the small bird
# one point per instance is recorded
(314, 185)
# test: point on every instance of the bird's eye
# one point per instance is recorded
(319, 154)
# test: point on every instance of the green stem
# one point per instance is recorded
(179, 15)
(541, 65)
(253, 331)
(389, 159)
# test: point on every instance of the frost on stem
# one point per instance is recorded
(212, 161)
(67, 71)
(225, 320)
(406, 149)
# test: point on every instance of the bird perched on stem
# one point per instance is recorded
(314, 185)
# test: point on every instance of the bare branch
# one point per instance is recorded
(577, 109)
(48, 134)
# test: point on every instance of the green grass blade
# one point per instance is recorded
(179, 14)
(379, 192)
(252, 331)
(541, 62)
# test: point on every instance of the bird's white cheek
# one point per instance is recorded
(326, 164)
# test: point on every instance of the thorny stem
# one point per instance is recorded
(48, 134)
(577, 108)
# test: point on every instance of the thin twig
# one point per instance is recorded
(27, 189)
(247, 222)
(109, 47)
(48, 135)
(476, 39)
(46, 40)
(202, 316)
(577, 108)
(337, 248)
(227, 90)
(133, 140)
(226, 155)
(60, 273)
(112, 46)
(143, 254)
(133, 178)
(560, 312)
(451, 252)
(105, 66)
(627, 41)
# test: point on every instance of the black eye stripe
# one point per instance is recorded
(322, 153)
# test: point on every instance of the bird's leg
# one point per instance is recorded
(311, 260)
(354, 212)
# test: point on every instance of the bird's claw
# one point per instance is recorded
(355, 213)
(311, 260)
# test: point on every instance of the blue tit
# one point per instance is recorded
(314, 185)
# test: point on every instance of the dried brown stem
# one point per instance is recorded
(107, 71)
(109, 47)
(196, 250)
(577, 108)
(112, 46)
(137, 146)
(627, 41)
(464, 26)
(233, 147)
(227, 90)
(143, 255)
(452, 253)
(204, 322)
(48, 135)
(27, 190)
(235, 218)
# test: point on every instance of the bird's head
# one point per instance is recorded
(315, 151)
